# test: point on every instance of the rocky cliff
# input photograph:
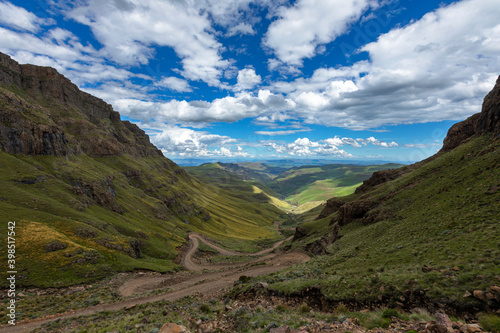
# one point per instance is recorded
(43, 113)
(488, 120)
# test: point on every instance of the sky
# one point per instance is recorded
(236, 80)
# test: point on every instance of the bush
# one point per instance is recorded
(304, 308)
(490, 323)
(388, 313)
(205, 308)
(244, 278)
(341, 308)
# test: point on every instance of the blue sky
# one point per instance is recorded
(265, 79)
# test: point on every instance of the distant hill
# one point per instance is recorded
(91, 195)
(300, 185)
(421, 236)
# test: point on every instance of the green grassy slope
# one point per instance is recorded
(319, 183)
(224, 179)
(444, 215)
(134, 229)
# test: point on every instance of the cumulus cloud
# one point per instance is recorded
(241, 29)
(155, 23)
(437, 68)
(185, 142)
(174, 83)
(309, 23)
(62, 50)
(247, 79)
(304, 147)
(328, 147)
(19, 18)
(285, 132)
(227, 109)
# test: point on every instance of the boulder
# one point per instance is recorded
(443, 323)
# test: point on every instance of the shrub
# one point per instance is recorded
(205, 308)
(388, 313)
(244, 278)
(304, 308)
(341, 308)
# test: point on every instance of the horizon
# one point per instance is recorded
(295, 161)
(263, 80)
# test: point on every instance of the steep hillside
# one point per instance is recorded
(424, 235)
(91, 195)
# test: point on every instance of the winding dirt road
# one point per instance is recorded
(180, 284)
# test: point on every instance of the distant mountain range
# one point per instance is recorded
(285, 163)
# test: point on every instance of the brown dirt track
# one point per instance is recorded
(181, 284)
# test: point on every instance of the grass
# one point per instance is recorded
(490, 323)
(230, 316)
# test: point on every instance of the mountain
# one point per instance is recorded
(421, 236)
(91, 195)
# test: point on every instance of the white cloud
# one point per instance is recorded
(309, 23)
(62, 50)
(241, 29)
(304, 147)
(153, 23)
(227, 109)
(327, 147)
(19, 18)
(285, 132)
(437, 68)
(247, 79)
(174, 83)
(178, 141)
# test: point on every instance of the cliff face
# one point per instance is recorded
(43, 113)
(488, 120)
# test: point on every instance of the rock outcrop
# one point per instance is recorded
(43, 113)
(486, 121)
(332, 206)
(378, 178)
(354, 210)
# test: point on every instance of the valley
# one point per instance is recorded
(107, 227)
